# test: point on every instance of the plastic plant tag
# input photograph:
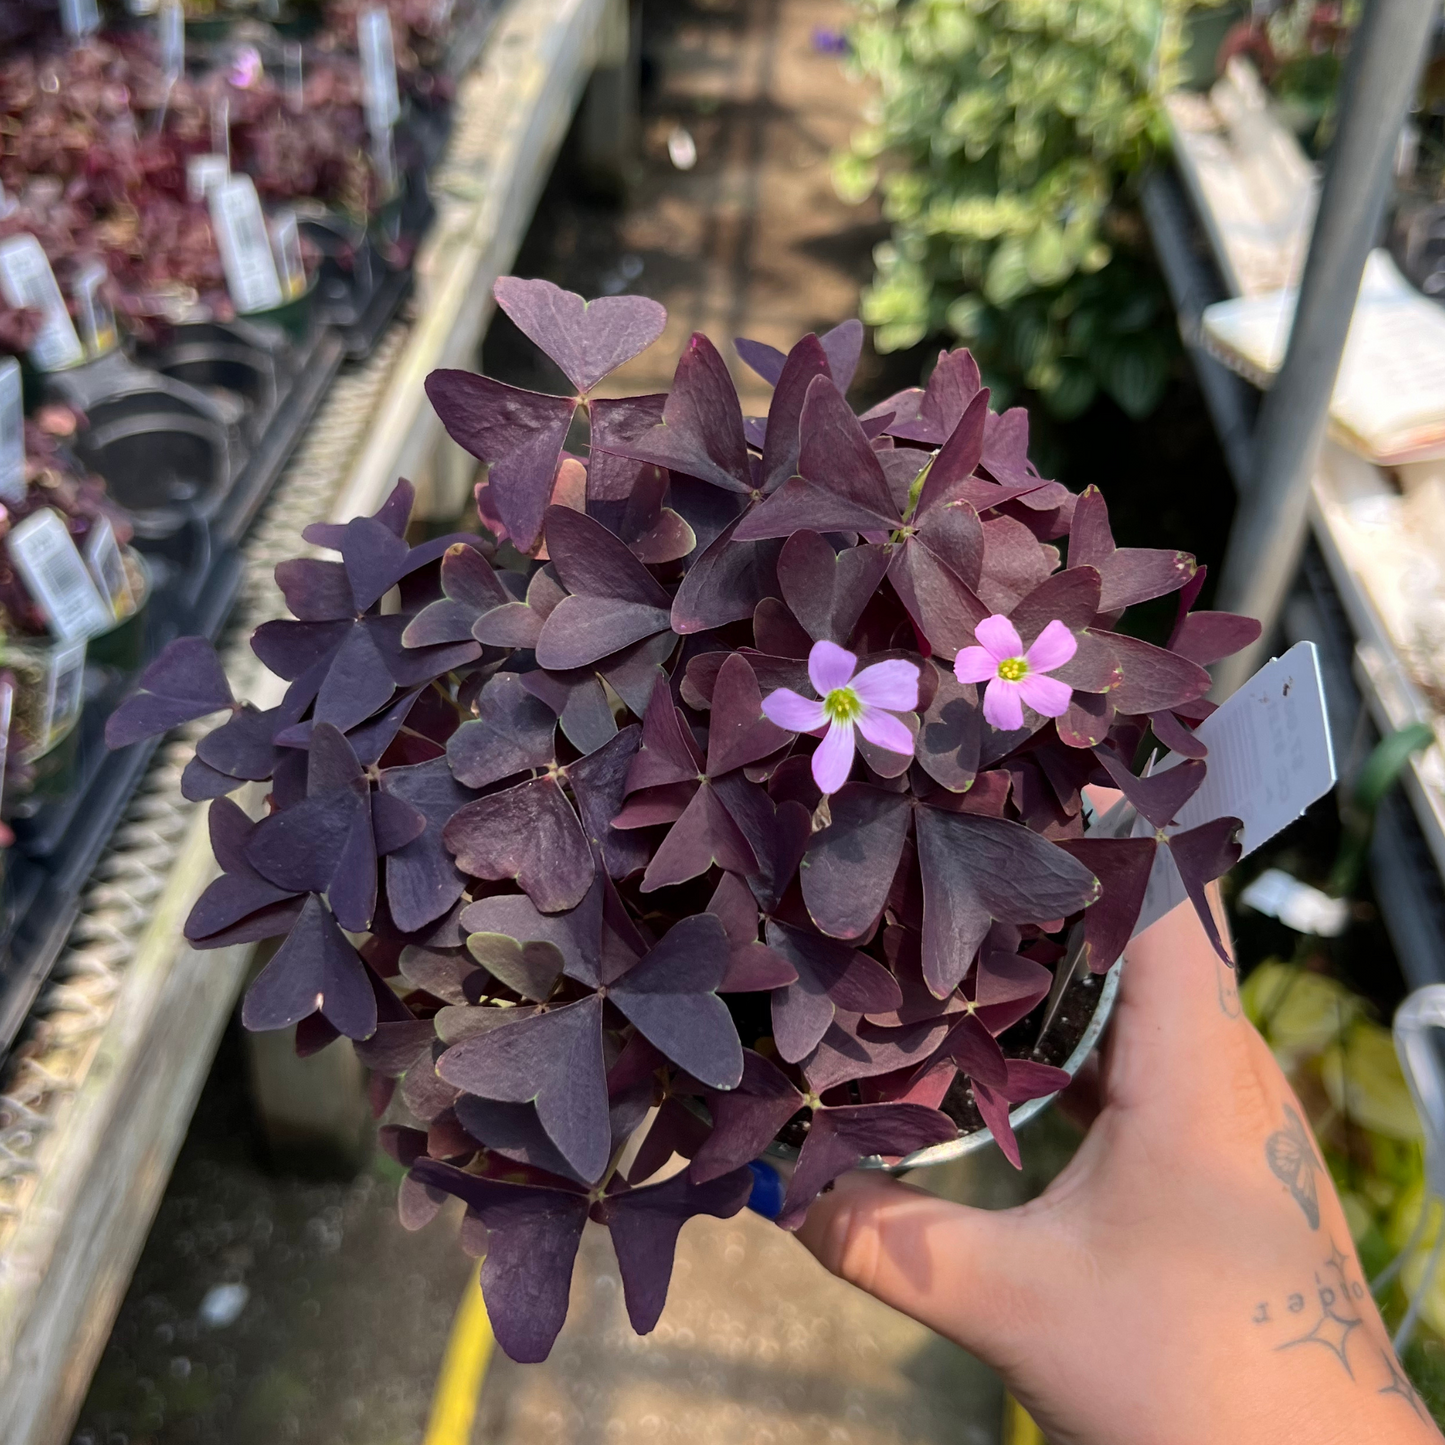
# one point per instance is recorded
(7, 713)
(49, 564)
(171, 35)
(27, 281)
(203, 172)
(64, 692)
(294, 77)
(1270, 757)
(1297, 905)
(221, 127)
(286, 248)
(12, 433)
(79, 18)
(245, 245)
(378, 69)
(97, 319)
(107, 567)
(383, 160)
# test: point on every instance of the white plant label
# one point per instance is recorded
(12, 433)
(64, 686)
(295, 83)
(378, 69)
(221, 128)
(245, 245)
(97, 317)
(27, 280)
(107, 568)
(171, 33)
(79, 17)
(203, 172)
(1270, 757)
(286, 246)
(7, 712)
(49, 564)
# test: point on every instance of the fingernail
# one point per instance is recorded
(767, 1196)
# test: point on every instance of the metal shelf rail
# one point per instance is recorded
(1302, 554)
(95, 1102)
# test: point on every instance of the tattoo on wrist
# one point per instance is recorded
(1292, 1158)
(1327, 1314)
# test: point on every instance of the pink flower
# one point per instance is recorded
(1016, 677)
(867, 702)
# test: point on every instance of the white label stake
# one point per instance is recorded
(79, 18)
(49, 564)
(12, 433)
(27, 281)
(171, 33)
(1270, 757)
(245, 245)
(378, 69)
(107, 567)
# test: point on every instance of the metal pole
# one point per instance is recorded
(1268, 535)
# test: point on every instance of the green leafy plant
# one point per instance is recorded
(1003, 140)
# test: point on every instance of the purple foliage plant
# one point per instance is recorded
(754, 811)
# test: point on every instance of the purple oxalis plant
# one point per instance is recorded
(744, 804)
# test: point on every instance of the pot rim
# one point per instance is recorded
(1018, 1117)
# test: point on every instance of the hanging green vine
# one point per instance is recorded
(1003, 139)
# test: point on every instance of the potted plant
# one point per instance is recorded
(752, 813)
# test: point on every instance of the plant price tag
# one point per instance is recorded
(57, 578)
(245, 245)
(1270, 757)
(171, 34)
(97, 317)
(107, 567)
(64, 690)
(27, 281)
(204, 172)
(12, 433)
(286, 245)
(79, 17)
(378, 69)
(7, 712)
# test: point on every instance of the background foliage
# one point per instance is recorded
(1003, 138)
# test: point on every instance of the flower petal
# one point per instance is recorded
(792, 711)
(833, 757)
(1052, 648)
(1002, 707)
(975, 664)
(830, 666)
(1046, 695)
(1000, 637)
(885, 731)
(892, 684)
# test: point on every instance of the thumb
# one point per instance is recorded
(978, 1276)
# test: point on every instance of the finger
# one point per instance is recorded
(975, 1275)
(1177, 1024)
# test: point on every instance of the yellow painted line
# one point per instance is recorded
(1018, 1425)
(464, 1368)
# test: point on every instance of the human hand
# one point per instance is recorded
(1189, 1277)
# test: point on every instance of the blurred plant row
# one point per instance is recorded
(1003, 139)
(1006, 139)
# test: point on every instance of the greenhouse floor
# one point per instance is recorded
(270, 1307)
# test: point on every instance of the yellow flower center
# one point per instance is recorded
(1013, 669)
(842, 705)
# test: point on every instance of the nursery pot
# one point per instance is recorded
(1088, 1020)
(122, 647)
